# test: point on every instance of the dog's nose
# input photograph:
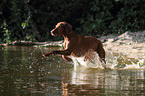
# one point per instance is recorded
(52, 33)
(52, 30)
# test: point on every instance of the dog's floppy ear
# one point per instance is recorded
(68, 28)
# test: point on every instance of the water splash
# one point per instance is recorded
(89, 60)
(121, 61)
(140, 65)
(114, 61)
(40, 50)
(36, 51)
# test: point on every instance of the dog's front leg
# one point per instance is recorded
(66, 58)
(65, 52)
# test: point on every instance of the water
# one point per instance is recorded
(24, 72)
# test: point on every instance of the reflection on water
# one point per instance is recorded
(23, 71)
(105, 82)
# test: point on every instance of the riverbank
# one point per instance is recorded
(35, 44)
(128, 43)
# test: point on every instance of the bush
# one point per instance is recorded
(129, 16)
(35, 19)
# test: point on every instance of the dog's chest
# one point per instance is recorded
(66, 42)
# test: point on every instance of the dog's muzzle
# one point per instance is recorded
(53, 33)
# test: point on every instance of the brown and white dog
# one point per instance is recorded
(75, 44)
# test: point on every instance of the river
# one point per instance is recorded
(24, 72)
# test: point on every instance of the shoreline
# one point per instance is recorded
(131, 44)
(128, 43)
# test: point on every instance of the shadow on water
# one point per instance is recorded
(25, 72)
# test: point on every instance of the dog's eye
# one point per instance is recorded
(59, 26)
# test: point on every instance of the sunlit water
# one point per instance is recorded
(24, 72)
(113, 61)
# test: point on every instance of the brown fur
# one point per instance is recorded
(75, 44)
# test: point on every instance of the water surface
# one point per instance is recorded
(24, 72)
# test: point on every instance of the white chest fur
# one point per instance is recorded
(66, 42)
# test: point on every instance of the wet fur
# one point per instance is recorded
(75, 44)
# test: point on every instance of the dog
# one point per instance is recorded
(75, 44)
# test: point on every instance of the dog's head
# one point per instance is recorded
(62, 28)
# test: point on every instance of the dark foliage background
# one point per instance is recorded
(34, 19)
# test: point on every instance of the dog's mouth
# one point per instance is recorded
(52, 33)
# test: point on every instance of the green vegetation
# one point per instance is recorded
(34, 19)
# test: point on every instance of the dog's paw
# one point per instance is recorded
(44, 55)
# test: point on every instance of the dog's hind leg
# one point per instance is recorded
(101, 53)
